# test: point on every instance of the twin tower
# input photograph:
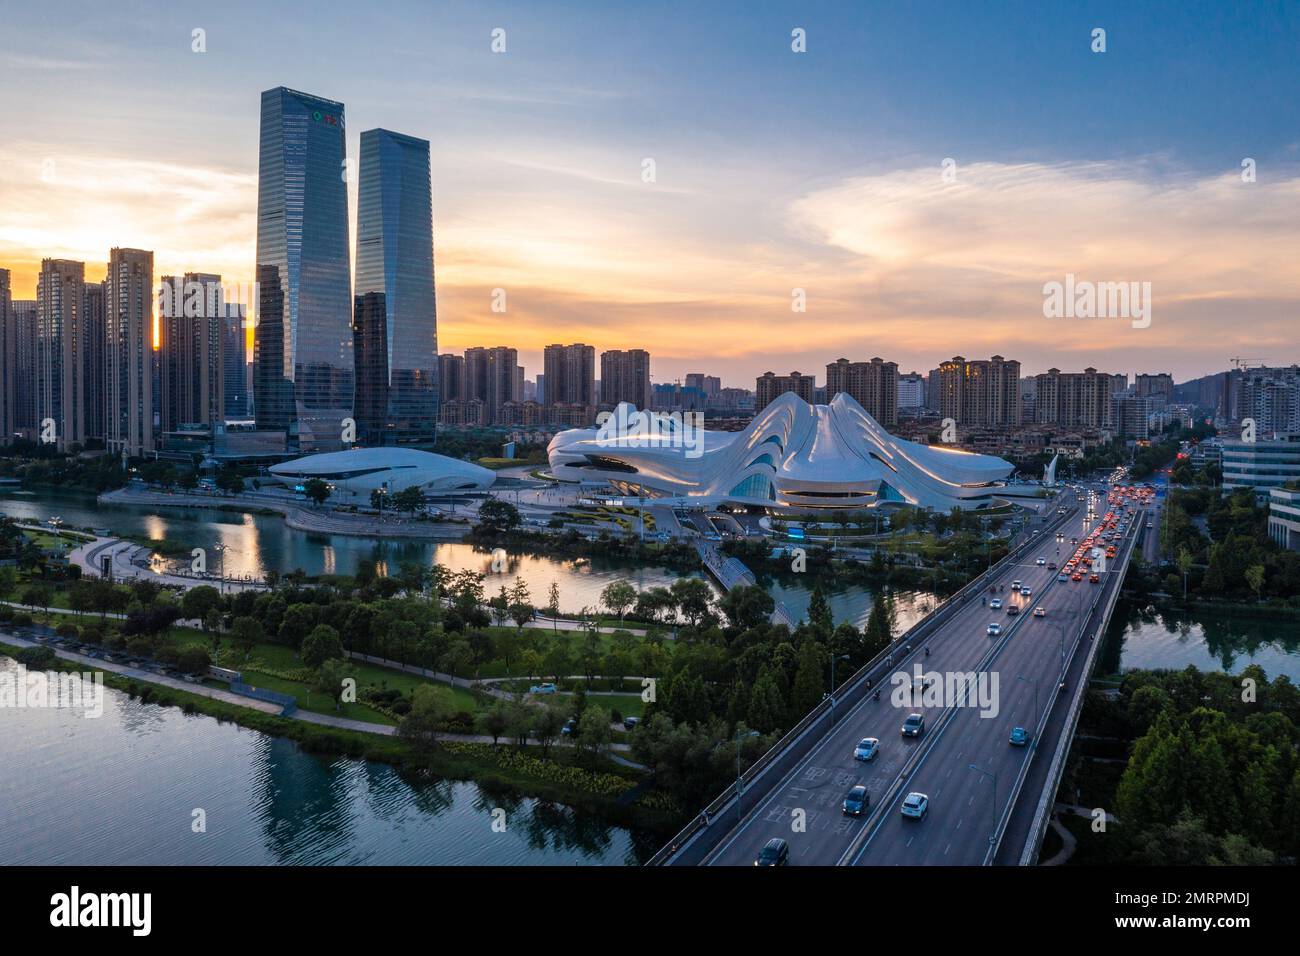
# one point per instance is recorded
(341, 357)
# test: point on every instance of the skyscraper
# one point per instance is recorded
(9, 359)
(94, 361)
(129, 403)
(873, 385)
(769, 385)
(984, 392)
(60, 381)
(397, 377)
(23, 314)
(234, 361)
(303, 380)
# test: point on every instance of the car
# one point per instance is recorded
(856, 801)
(1076, 576)
(1094, 579)
(1015, 585)
(913, 725)
(1026, 592)
(1012, 610)
(543, 689)
(1041, 561)
(996, 604)
(1019, 736)
(994, 629)
(1040, 611)
(630, 723)
(1051, 565)
(1062, 577)
(866, 749)
(570, 727)
(915, 805)
(775, 852)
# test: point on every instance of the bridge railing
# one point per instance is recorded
(1056, 770)
(797, 742)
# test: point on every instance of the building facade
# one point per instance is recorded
(625, 377)
(303, 379)
(570, 390)
(397, 379)
(769, 386)
(983, 393)
(873, 385)
(1075, 399)
(61, 343)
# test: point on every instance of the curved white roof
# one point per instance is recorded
(792, 454)
(361, 469)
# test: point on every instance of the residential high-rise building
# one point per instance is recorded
(1159, 386)
(9, 360)
(192, 325)
(94, 362)
(23, 313)
(129, 403)
(625, 377)
(769, 385)
(234, 361)
(981, 393)
(710, 385)
(398, 382)
(61, 397)
(1270, 396)
(451, 377)
(570, 383)
(492, 376)
(1075, 399)
(911, 391)
(873, 385)
(304, 377)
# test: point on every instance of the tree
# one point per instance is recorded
(553, 604)
(594, 732)
(321, 645)
(495, 722)
(246, 633)
(819, 612)
(409, 499)
(197, 602)
(330, 677)
(521, 611)
(317, 489)
(431, 706)
(1255, 578)
(547, 725)
(618, 597)
(807, 691)
(748, 607)
(694, 597)
(496, 516)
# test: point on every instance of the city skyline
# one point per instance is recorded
(838, 189)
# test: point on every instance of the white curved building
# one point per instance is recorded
(358, 472)
(792, 456)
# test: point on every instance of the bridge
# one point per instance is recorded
(989, 800)
(733, 573)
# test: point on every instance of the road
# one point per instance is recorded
(815, 788)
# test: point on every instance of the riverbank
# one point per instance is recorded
(559, 778)
(298, 516)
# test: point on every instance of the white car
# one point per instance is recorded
(1026, 592)
(996, 604)
(866, 749)
(1040, 612)
(1041, 561)
(994, 629)
(915, 805)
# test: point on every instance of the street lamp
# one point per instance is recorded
(1034, 681)
(834, 658)
(992, 775)
(739, 781)
(221, 550)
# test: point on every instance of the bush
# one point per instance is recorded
(6, 612)
(167, 654)
(36, 658)
(22, 619)
(193, 659)
(113, 641)
(68, 630)
(140, 647)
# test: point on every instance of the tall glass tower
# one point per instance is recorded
(395, 322)
(303, 373)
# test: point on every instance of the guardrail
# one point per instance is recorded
(795, 743)
(1004, 819)
(1057, 767)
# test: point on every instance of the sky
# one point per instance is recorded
(920, 172)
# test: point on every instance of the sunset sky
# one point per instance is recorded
(774, 170)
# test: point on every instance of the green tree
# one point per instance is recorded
(1255, 578)
(317, 490)
(594, 731)
(618, 597)
(431, 706)
(330, 678)
(808, 687)
(321, 645)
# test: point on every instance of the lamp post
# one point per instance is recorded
(1034, 681)
(739, 781)
(221, 550)
(834, 658)
(992, 775)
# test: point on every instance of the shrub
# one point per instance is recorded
(22, 619)
(68, 630)
(193, 659)
(140, 646)
(36, 658)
